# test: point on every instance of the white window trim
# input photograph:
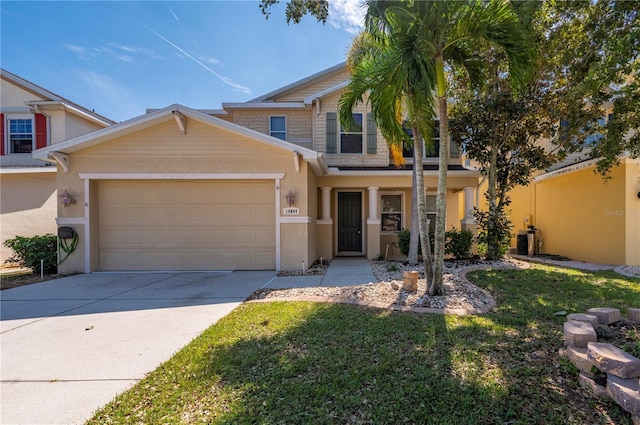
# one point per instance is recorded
(285, 126)
(402, 210)
(7, 131)
(362, 134)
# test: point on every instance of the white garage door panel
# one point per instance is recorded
(186, 225)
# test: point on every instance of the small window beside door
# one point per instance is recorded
(391, 212)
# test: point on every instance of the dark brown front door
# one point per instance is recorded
(349, 221)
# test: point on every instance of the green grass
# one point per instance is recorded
(308, 363)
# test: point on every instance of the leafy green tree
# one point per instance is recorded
(502, 135)
(593, 49)
(296, 9)
(414, 41)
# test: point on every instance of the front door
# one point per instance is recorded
(349, 221)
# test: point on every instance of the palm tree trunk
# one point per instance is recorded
(423, 228)
(493, 251)
(412, 257)
(437, 286)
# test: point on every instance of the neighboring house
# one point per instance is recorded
(33, 118)
(272, 183)
(581, 216)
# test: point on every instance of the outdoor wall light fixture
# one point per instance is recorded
(67, 199)
(291, 198)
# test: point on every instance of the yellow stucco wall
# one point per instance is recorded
(26, 215)
(583, 217)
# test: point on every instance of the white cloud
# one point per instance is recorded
(79, 50)
(115, 100)
(347, 15)
(112, 50)
(226, 80)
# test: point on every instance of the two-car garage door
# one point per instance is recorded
(186, 225)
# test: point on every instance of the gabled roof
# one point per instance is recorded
(319, 95)
(51, 99)
(315, 159)
(299, 84)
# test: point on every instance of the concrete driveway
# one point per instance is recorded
(68, 346)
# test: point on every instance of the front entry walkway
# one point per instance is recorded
(343, 271)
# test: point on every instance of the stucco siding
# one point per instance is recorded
(12, 95)
(26, 215)
(578, 214)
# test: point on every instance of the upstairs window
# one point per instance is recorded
(278, 127)
(20, 135)
(434, 150)
(351, 138)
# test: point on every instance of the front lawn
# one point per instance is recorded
(308, 363)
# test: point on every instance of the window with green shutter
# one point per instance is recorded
(372, 141)
(332, 133)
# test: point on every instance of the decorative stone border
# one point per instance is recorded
(623, 270)
(585, 352)
(398, 307)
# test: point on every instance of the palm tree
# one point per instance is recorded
(387, 71)
(426, 38)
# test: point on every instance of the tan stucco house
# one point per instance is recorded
(31, 118)
(271, 183)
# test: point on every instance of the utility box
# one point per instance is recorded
(521, 244)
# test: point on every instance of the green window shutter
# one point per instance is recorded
(454, 148)
(332, 130)
(372, 141)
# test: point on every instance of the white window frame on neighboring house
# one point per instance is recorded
(8, 133)
(393, 215)
(431, 215)
(276, 133)
(345, 133)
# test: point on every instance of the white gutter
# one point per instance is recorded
(72, 108)
(333, 172)
(565, 170)
(264, 105)
(28, 170)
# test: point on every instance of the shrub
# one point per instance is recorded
(403, 241)
(29, 251)
(458, 243)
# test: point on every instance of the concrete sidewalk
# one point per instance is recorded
(571, 264)
(343, 271)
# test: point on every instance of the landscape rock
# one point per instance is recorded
(583, 317)
(579, 334)
(611, 359)
(625, 392)
(586, 381)
(606, 316)
(580, 359)
(634, 314)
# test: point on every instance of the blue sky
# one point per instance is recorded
(120, 58)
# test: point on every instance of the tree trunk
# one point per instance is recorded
(412, 258)
(493, 251)
(423, 228)
(437, 285)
